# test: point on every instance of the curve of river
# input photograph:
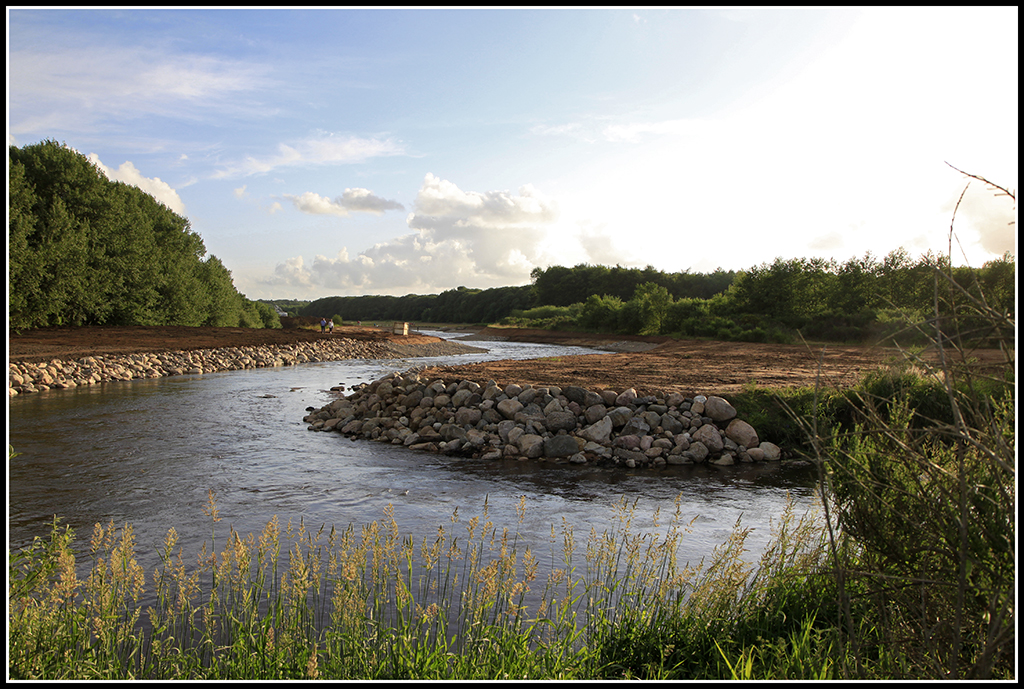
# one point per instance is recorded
(147, 453)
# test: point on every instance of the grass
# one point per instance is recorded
(473, 602)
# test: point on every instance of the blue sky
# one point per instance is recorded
(335, 152)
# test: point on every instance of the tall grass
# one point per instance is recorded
(471, 602)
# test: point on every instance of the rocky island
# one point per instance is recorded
(484, 420)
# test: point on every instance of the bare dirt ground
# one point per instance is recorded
(648, 364)
(652, 364)
(44, 344)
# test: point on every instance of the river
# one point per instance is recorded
(148, 453)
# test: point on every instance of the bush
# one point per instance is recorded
(922, 480)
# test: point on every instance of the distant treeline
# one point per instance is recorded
(461, 305)
(84, 250)
(554, 286)
(863, 298)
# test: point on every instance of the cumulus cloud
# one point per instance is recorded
(154, 186)
(352, 200)
(319, 150)
(484, 239)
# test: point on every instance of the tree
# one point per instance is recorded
(652, 304)
(84, 250)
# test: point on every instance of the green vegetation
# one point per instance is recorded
(460, 305)
(861, 300)
(83, 250)
(370, 604)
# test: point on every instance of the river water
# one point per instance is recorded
(148, 453)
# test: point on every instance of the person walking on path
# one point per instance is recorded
(323, 325)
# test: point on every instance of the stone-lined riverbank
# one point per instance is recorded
(482, 420)
(25, 377)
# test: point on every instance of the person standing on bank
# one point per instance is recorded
(323, 325)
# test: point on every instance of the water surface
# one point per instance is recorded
(148, 453)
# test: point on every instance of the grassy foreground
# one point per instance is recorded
(468, 604)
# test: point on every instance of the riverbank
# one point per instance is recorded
(647, 364)
(27, 376)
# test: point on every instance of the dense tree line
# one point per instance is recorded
(561, 286)
(860, 299)
(554, 286)
(461, 305)
(85, 250)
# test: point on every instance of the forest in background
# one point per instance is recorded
(85, 250)
(862, 299)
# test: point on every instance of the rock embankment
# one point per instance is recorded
(472, 419)
(26, 377)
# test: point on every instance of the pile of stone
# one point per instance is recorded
(488, 421)
(25, 377)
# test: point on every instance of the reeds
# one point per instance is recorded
(471, 602)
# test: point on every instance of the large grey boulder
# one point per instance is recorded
(599, 432)
(509, 408)
(620, 415)
(719, 409)
(468, 416)
(560, 446)
(708, 436)
(742, 433)
(531, 445)
(560, 420)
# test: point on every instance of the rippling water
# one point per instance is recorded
(147, 453)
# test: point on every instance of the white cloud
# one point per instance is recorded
(82, 89)
(352, 200)
(364, 200)
(154, 186)
(321, 150)
(483, 239)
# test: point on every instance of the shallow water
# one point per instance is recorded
(148, 452)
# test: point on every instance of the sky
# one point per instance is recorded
(410, 151)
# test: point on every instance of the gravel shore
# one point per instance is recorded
(28, 377)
